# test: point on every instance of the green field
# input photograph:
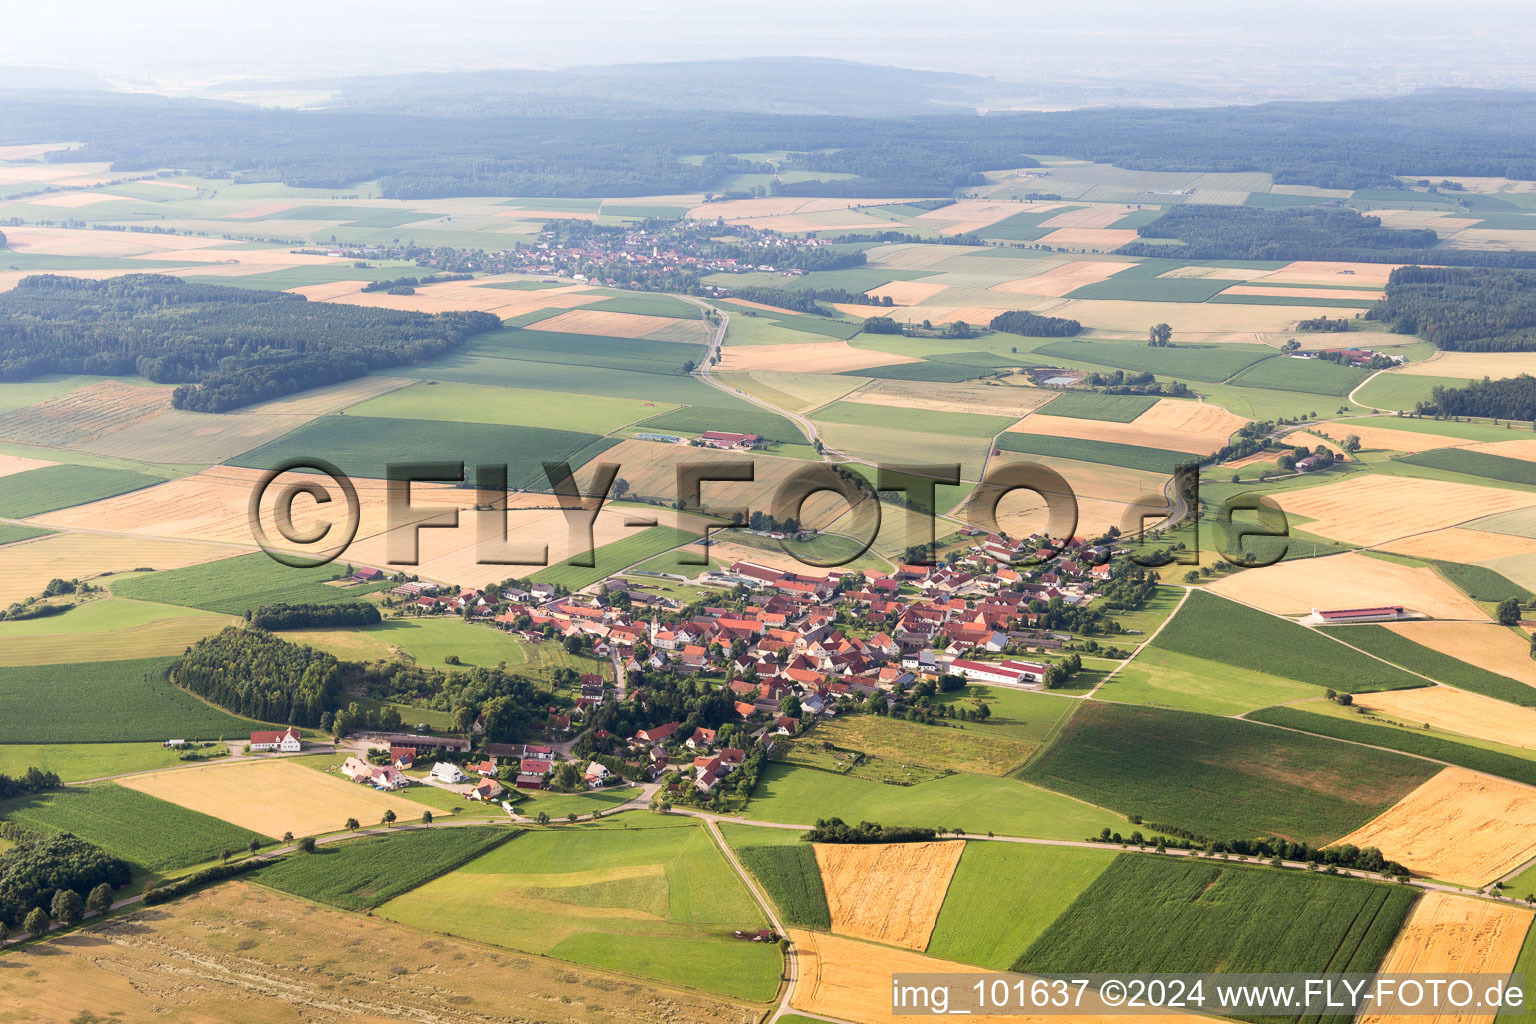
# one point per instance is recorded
(429, 640)
(1314, 376)
(105, 630)
(1400, 650)
(154, 834)
(1086, 405)
(973, 802)
(991, 914)
(1144, 283)
(1222, 777)
(53, 487)
(656, 900)
(1021, 716)
(930, 370)
(696, 419)
(1129, 456)
(363, 873)
(1207, 626)
(1401, 391)
(786, 869)
(10, 533)
(1360, 729)
(1166, 679)
(559, 805)
(471, 403)
(234, 586)
(353, 444)
(611, 558)
(1201, 362)
(1156, 915)
(649, 305)
(562, 349)
(936, 746)
(111, 701)
(1482, 582)
(75, 762)
(1478, 464)
(962, 424)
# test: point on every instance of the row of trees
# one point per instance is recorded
(835, 830)
(315, 616)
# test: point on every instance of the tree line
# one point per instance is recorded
(1511, 398)
(227, 346)
(273, 617)
(835, 830)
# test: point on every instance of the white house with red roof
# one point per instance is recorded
(286, 740)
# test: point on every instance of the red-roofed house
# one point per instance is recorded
(286, 740)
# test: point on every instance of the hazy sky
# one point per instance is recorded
(1313, 41)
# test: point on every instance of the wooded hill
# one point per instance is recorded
(1462, 309)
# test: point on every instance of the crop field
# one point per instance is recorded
(233, 952)
(29, 565)
(36, 491)
(986, 399)
(293, 798)
(352, 443)
(1460, 826)
(891, 416)
(1409, 737)
(657, 901)
(1457, 711)
(1442, 665)
(1171, 915)
(611, 558)
(1189, 362)
(1379, 434)
(232, 586)
(1472, 365)
(1220, 630)
(1496, 649)
(972, 802)
(590, 321)
(84, 414)
(990, 925)
(105, 630)
(363, 873)
(1151, 460)
(1313, 376)
(698, 418)
(1372, 508)
(1087, 405)
(806, 357)
(155, 835)
(650, 305)
(887, 892)
(1172, 424)
(472, 403)
(1349, 580)
(1524, 450)
(1221, 777)
(1462, 545)
(792, 879)
(129, 700)
(1470, 463)
(934, 370)
(1182, 682)
(953, 749)
(657, 357)
(1447, 933)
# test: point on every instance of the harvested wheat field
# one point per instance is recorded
(1099, 216)
(1386, 438)
(10, 464)
(272, 796)
(239, 952)
(1067, 277)
(454, 295)
(1311, 441)
(612, 325)
(29, 150)
(1461, 826)
(74, 200)
(1314, 272)
(1299, 292)
(1172, 424)
(972, 215)
(1458, 711)
(84, 414)
(1187, 318)
(809, 357)
(1496, 648)
(1095, 238)
(919, 256)
(1349, 580)
(69, 242)
(887, 892)
(1374, 509)
(193, 438)
(851, 980)
(1449, 934)
(1461, 544)
(937, 314)
(1525, 450)
(1472, 365)
(907, 293)
(982, 399)
(28, 565)
(778, 206)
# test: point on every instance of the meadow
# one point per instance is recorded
(656, 900)
(1003, 896)
(431, 640)
(1478, 464)
(1224, 631)
(54, 487)
(353, 444)
(522, 407)
(1166, 679)
(973, 802)
(111, 701)
(1189, 362)
(233, 586)
(1088, 405)
(1221, 777)
(1407, 740)
(1400, 650)
(1173, 915)
(936, 746)
(105, 630)
(1109, 453)
(156, 835)
(1024, 717)
(611, 558)
(363, 873)
(76, 762)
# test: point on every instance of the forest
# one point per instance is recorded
(1461, 309)
(253, 673)
(38, 867)
(1212, 232)
(228, 347)
(1034, 325)
(1511, 398)
(1345, 144)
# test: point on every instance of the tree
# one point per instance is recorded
(287, 837)
(68, 907)
(307, 844)
(572, 817)
(426, 817)
(352, 825)
(224, 856)
(253, 845)
(100, 899)
(36, 923)
(1159, 335)
(1352, 443)
(566, 777)
(1508, 612)
(389, 817)
(542, 818)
